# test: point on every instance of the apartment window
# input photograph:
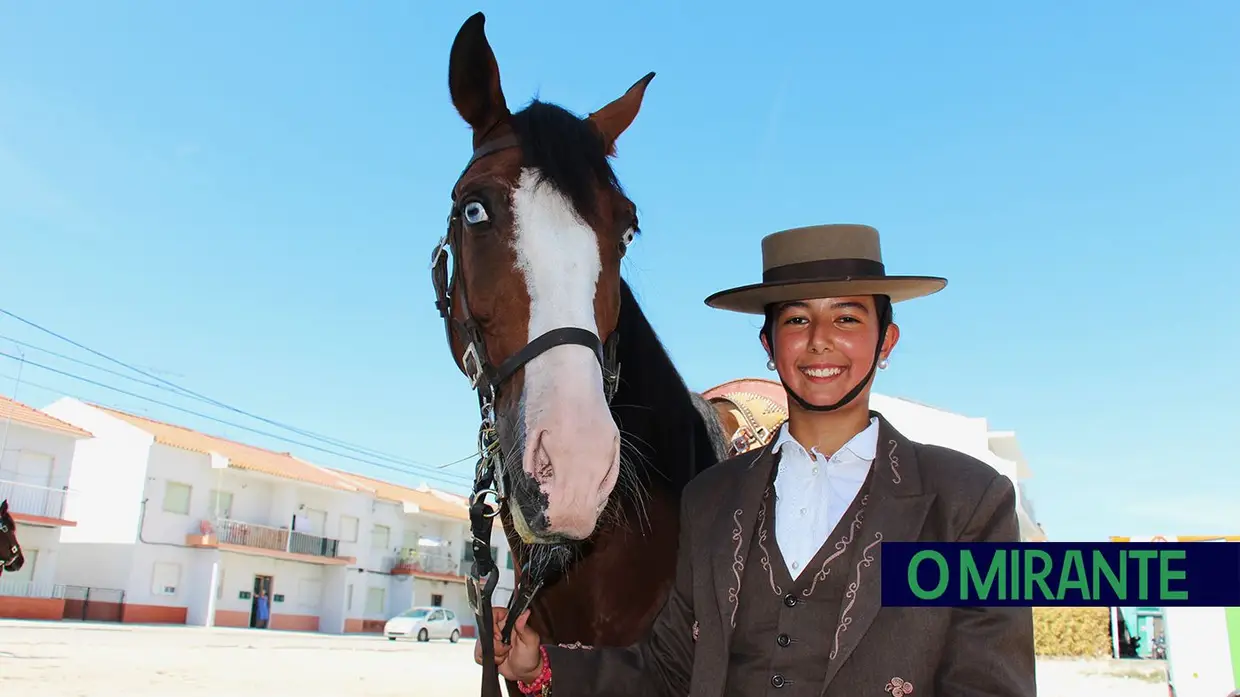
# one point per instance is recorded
(509, 562)
(165, 578)
(309, 593)
(348, 528)
(380, 537)
(221, 503)
(437, 600)
(374, 601)
(176, 497)
(348, 597)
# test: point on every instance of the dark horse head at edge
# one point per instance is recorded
(11, 557)
(540, 232)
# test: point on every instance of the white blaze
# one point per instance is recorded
(565, 411)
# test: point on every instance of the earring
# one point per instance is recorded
(882, 365)
(770, 364)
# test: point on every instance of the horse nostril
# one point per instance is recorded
(541, 468)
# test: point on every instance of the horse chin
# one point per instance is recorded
(527, 535)
(16, 565)
(548, 556)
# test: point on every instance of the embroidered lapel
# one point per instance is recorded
(896, 511)
(734, 529)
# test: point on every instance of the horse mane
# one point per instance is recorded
(567, 152)
(656, 411)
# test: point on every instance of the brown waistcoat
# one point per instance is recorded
(785, 634)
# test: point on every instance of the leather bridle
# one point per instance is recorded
(487, 379)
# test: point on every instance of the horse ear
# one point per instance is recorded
(473, 78)
(613, 119)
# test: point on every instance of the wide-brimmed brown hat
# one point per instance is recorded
(822, 261)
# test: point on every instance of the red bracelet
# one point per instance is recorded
(544, 677)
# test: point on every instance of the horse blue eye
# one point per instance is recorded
(475, 213)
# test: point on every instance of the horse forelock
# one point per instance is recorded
(567, 152)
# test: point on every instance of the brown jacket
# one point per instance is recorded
(920, 493)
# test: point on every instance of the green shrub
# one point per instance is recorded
(1081, 632)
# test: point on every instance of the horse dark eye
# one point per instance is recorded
(475, 213)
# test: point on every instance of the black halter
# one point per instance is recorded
(487, 380)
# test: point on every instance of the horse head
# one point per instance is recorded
(538, 227)
(11, 558)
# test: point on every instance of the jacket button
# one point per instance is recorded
(790, 600)
(777, 680)
(783, 640)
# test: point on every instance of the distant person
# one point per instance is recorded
(264, 610)
(778, 578)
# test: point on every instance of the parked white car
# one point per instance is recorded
(424, 623)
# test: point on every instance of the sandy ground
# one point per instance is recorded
(108, 660)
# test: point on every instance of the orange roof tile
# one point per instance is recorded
(240, 455)
(29, 416)
(427, 499)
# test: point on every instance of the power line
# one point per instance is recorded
(208, 400)
(432, 474)
(185, 392)
(88, 364)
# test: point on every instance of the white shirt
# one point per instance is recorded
(812, 492)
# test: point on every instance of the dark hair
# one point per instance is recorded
(882, 307)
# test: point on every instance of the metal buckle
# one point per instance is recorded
(480, 496)
(470, 358)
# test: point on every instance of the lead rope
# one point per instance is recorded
(483, 573)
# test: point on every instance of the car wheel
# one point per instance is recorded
(391, 638)
(423, 636)
(456, 635)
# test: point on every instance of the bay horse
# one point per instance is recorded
(589, 434)
(11, 557)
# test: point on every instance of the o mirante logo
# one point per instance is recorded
(1031, 574)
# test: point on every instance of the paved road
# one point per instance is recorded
(109, 660)
(60, 659)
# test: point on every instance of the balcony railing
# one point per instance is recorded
(33, 499)
(413, 561)
(234, 532)
(30, 589)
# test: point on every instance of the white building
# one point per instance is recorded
(36, 455)
(427, 555)
(166, 514)
(971, 436)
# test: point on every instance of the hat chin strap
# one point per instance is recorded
(852, 394)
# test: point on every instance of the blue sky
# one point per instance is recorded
(244, 196)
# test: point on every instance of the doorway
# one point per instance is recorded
(262, 588)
